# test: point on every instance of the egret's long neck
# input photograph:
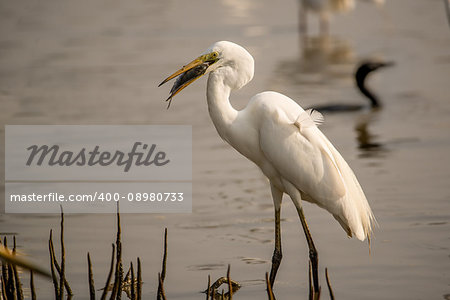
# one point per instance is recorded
(220, 110)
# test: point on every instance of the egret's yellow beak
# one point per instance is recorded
(189, 73)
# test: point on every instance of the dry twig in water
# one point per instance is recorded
(162, 276)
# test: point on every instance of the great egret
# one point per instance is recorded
(283, 140)
(361, 73)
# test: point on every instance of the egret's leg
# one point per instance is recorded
(313, 255)
(302, 19)
(324, 26)
(277, 255)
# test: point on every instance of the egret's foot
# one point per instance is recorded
(314, 258)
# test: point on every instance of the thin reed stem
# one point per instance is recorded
(33, 292)
(63, 259)
(209, 287)
(58, 269)
(161, 284)
(18, 287)
(108, 279)
(329, 284)
(91, 278)
(52, 265)
(117, 290)
(139, 283)
(164, 263)
(132, 286)
(230, 289)
(2, 278)
(270, 294)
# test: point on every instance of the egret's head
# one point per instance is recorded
(233, 60)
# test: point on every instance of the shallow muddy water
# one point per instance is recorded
(99, 62)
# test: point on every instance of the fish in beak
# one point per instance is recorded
(189, 73)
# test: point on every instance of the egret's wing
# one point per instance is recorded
(300, 154)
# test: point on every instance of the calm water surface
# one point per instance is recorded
(99, 62)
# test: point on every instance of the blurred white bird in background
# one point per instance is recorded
(324, 9)
(283, 140)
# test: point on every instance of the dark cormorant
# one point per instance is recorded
(361, 73)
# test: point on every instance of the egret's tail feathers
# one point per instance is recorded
(354, 208)
(361, 224)
(343, 225)
(361, 231)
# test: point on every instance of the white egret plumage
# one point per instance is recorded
(283, 140)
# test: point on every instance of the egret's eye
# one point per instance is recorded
(214, 55)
